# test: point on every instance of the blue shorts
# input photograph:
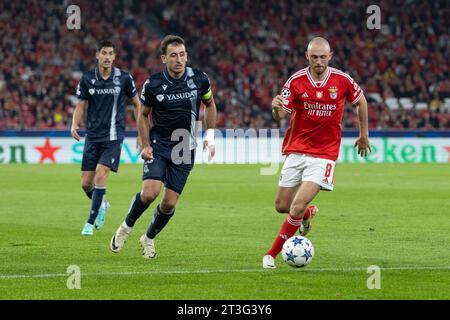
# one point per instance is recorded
(106, 153)
(174, 176)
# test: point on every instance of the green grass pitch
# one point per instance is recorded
(393, 216)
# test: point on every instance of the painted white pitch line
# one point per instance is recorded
(175, 272)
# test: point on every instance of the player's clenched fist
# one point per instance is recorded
(277, 102)
(147, 153)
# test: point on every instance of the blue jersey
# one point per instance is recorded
(175, 104)
(106, 103)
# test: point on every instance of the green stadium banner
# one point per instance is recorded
(230, 150)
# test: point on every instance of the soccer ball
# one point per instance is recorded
(297, 251)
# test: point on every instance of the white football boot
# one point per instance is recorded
(268, 262)
(148, 247)
(119, 238)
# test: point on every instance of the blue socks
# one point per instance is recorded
(97, 199)
(90, 193)
(136, 210)
(160, 219)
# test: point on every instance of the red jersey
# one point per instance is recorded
(316, 110)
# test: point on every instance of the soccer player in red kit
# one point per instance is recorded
(314, 98)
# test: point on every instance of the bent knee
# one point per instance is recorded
(282, 206)
(148, 196)
(87, 185)
(167, 206)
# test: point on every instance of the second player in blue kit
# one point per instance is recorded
(103, 93)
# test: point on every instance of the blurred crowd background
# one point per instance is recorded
(248, 48)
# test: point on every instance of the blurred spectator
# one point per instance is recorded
(41, 60)
(248, 48)
(253, 47)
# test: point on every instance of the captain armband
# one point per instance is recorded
(207, 95)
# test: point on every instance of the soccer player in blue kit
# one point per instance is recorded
(103, 93)
(173, 98)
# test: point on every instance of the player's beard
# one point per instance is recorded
(319, 69)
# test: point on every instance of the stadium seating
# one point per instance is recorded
(248, 48)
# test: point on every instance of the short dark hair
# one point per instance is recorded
(170, 39)
(105, 44)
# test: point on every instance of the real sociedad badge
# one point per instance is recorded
(116, 81)
(191, 84)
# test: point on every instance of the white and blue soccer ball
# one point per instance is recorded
(297, 251)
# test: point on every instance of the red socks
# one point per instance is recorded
(290, 226)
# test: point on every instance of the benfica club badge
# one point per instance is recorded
(333, 92)
(319, 94)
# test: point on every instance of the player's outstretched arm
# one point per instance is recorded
(363, 143)
(137, 110)
(143, 132)
(77, 117)
(211, 118)
(278, 112)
